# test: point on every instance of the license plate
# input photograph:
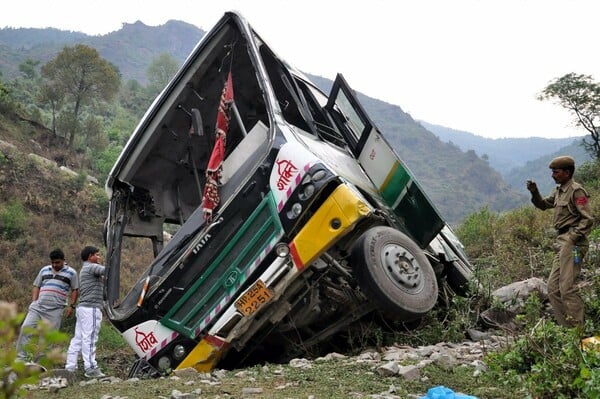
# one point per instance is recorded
(253, 299)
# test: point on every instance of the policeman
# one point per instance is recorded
(573, 221)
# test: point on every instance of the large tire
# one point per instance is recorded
(394, 273)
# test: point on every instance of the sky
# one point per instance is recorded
(471, 65)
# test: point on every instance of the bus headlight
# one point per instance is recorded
(295, 211)
(179, 352)
(318, 175)
(164, 363)
(282, 250)
(306, 192)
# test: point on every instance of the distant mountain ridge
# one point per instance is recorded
(131, 48)
(503, 153)
(516, 159)
(458, 181)
(538, 170)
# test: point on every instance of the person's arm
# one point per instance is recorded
(37, 284)
(586, 221)
(536, 197)
(35, 294)
(72, 302)
(74, 296)
(98, 270)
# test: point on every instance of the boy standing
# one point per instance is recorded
(89, 314)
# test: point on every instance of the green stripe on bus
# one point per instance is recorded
(394, 183)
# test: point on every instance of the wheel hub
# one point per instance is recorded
(401, 267)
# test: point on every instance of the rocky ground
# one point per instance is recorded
(399, 365)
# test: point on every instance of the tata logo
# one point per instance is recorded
(202, 243)
(204, 240)
(231, 278)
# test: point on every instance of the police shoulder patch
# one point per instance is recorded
(581, 200)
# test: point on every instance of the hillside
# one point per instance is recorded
(41, 207)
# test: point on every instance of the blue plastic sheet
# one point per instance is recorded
(441, 392)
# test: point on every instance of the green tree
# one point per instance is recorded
(25, 88)
(134, 97)
(48, 95)
(579, 94)
(28, 69)
(85, 81)
(160, 71)
(6, 100)
(95, 139)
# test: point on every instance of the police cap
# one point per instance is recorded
(562, 162)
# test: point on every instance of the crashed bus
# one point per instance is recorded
(289, 215)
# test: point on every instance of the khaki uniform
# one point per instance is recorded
(573, 221)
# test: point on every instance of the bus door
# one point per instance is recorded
(389, 174)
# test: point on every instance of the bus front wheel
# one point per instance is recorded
(394, 273)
